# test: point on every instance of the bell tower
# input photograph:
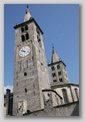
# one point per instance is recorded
(58, 71)
(30, 68)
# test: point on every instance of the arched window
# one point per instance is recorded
(27, 36)
(57, 100)
(52, 68)
(65, 96)
(23, 38)
(76, 92)
(58, 66)
(26, 27)
(22, 29)
(53, 74)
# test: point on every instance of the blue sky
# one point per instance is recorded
(60, 24)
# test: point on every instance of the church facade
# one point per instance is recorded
(33, 94)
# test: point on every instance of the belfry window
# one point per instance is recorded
(58, 66)
(60, 80)
(52, 68)
(54, 80)
(23, 38)
(22, 29)
(59, 73)
(26, 27)
(53, 74)
(27, 36)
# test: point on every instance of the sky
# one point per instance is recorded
(60, 24)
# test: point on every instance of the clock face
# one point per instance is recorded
(24, 51)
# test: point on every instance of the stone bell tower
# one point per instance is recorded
(30, 68)
(57, 70)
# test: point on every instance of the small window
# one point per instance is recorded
(58, 66)
(27, 36)
(52, 68)
(16, 84)
(23, 38)
(39, 40)
(25, 74)
(25, 90)
(34, 92)
(37, 36)
(26, 27)
(60, 80)
(54, 80)
(41, 63)
(59, 73)
(37, 31)
(48, 94)
(53, 74)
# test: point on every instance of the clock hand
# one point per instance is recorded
(23, 51)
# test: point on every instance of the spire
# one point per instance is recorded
(55, 57)
(52, 48)
(27, 14)
(27, 9)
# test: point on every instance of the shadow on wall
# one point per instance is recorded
(76, 110)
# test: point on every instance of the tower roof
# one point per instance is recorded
(55, 57)
(27, 14)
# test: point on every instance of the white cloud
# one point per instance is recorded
(8, 87)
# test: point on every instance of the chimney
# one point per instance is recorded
(8, 100)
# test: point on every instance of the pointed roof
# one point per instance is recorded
(27, 15)
(55, 57)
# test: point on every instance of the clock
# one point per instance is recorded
(24, 51)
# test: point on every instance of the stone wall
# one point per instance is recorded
(71, 109)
